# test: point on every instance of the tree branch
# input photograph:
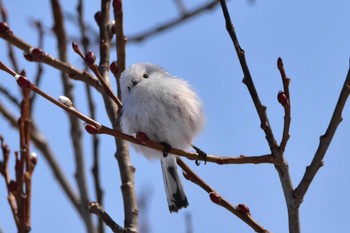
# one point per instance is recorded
(218, 199)
(96, 208)
(174, 22)
(67, 68)
(325, 140)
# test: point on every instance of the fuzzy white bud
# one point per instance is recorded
(65, 100)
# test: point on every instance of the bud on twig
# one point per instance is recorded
(34, 158)
(90, 58)
(142, 137)
(22, 81)
(65, 100)
(111, 27)
(97, 17)
(282, 98)
(4, 27)
(114, 67)
(91, 129)
(215, 197)
(243, 208)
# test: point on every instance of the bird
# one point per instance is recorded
(168, 111)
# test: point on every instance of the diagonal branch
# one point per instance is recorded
(218, 199)
(75, 127)
(174, 22)
(325, 141)
(281, 164)
(67, 68)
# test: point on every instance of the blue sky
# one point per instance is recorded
(312, 38)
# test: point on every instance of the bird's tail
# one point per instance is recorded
(173, 187)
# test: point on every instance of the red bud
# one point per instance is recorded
(28, 56)
(114, 67)
(243, 208)
(4, 27)
(75, 46)
(91, 129)
(97, 17)
(90, 58)
(215, 197)
(23, 82)
(282, 98)
(37, 52)
(34, 158)
(142, 137)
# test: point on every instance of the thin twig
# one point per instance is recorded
(91, 104)
(246, 217)
(11, 53)
(75, 127)
(174, 22)
(67, 68)
(4, 168)
(325, 140)
(286, 105)
(96, 208)
(122, 155)
(39, 67)
(42, 145)
(280, 163)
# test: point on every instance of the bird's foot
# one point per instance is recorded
(166, 149)
(201, 155)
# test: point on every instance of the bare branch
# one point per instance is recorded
(174, 22)
(325, 140)
(218, 199)
(281, 164)
(286, 105)
(96, 208)
(75, 127)
(91, 104)
(67, 68)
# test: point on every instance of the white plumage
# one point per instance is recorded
(167, 110)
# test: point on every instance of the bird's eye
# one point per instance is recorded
(145, 75)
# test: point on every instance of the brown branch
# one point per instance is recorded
(97, 128)
(91, 105)
(11, 53)
(75, 127)
(39, 69)
(122, 155)
(286, 105)
(174, 22)
(96, 208)
(67, 68)
(42, 145)
(218, 199)
(280, 163)
(25, 166)
(13, 99)
(325, 141)
(4, 169)
(90, 58)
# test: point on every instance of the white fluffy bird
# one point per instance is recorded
(168, 111)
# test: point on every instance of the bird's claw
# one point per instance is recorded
(201, 155)
(166, 149)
